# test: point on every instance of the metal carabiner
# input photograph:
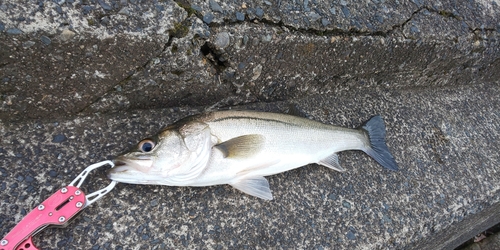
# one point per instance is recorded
(56, 210)
(93, 197)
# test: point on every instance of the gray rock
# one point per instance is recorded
(313, 16)
(58, 9)
(105, 21)
(66, 35)
(345, 11)
(159, 7)
(346, 204)
(240, 16)
(104, 5)
(59, 138)
(325, 22)
(350, 235)
(222, 40)
(257, 71)
(124, 11)
(52, 173)
(208, 17)
(28, 44)
(201, 29)
(196, 8)
(87, 9)
(419, 3)
(2, 26)
(266, 38)
(154, 203)
(306, 5)
(14, 31)
(29, 179)
(259, 12)
(45, 40)
(214, 6)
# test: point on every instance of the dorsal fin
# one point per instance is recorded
(294, 110)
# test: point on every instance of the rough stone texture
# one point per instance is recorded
(82, 81)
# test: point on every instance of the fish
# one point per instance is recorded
(241, 148)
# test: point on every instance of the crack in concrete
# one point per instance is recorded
(173, 33)
(402, 26)
(281, 24)
(341, 32)
(333, 32)
(178, 31)
(312, 31)
(451, 15)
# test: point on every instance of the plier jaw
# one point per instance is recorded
(57, 210)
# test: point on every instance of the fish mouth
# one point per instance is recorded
(133, 171)
(119, 167)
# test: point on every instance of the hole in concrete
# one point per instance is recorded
(213, 57)
(470, 244)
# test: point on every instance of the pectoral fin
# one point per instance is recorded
(256, 185)
(332, 161)
(242, 146)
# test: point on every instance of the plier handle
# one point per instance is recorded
(57, 210)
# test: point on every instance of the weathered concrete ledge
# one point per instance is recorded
(84, 81)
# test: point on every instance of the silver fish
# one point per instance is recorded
(239, 148)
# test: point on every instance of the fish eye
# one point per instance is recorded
(146, 145)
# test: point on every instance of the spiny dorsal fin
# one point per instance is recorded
(332, 161)
(294, 110)
(242, 146)
(257, 186)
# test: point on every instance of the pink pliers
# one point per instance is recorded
(57, 210)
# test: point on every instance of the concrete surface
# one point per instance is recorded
(83, 81)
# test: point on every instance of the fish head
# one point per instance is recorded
(176, 154)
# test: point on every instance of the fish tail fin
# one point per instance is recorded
(378, 149)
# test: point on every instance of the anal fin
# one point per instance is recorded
(257, 186)
(332, 161)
